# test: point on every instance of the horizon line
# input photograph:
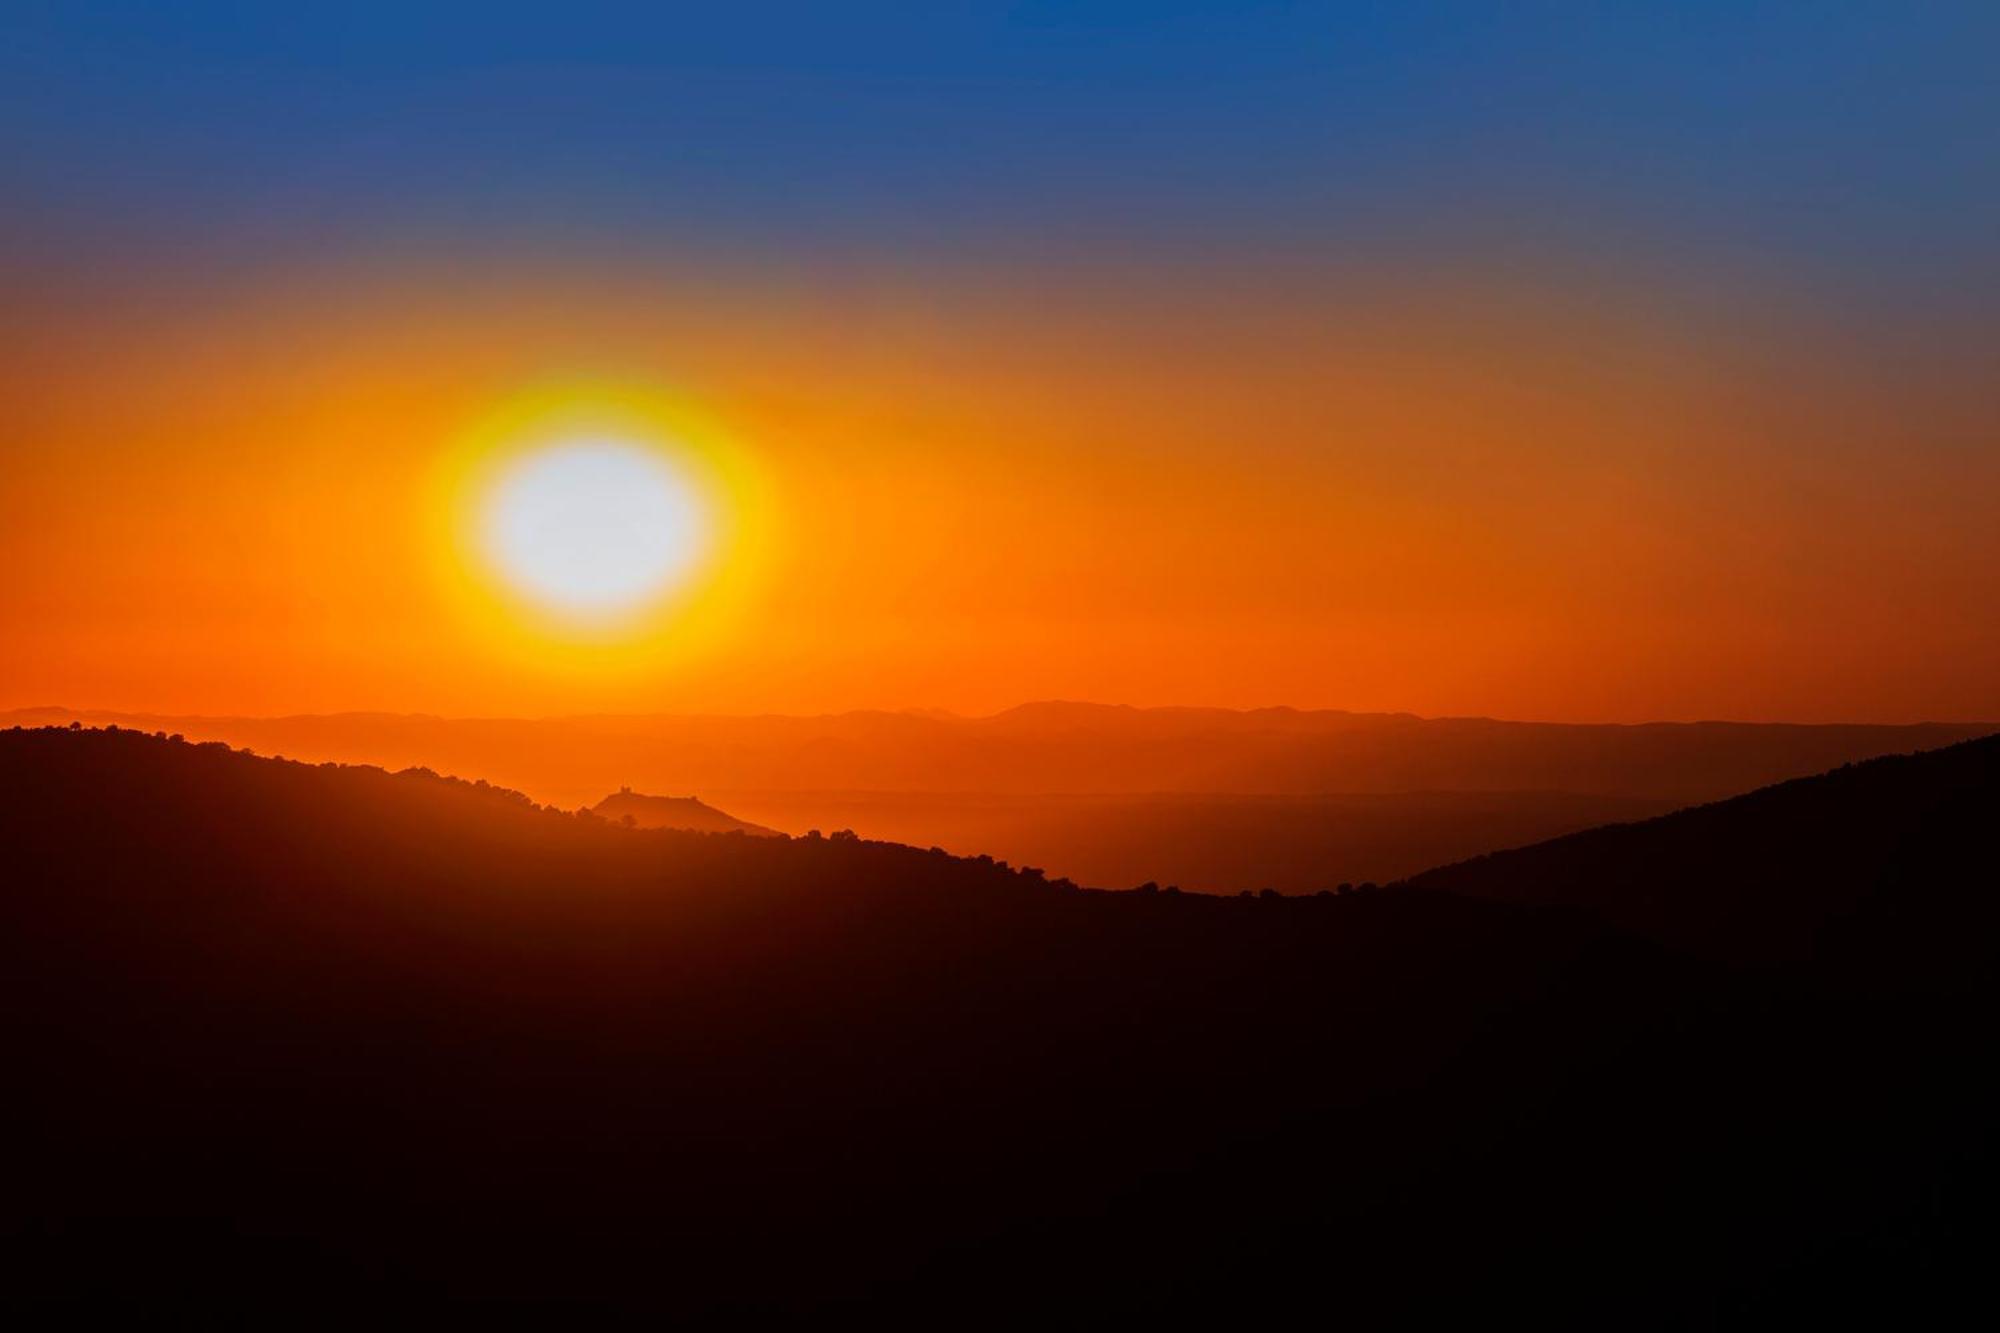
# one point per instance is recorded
(945, 715)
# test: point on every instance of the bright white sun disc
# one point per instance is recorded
(592, 526)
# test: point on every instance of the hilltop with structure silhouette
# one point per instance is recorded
(687, 813)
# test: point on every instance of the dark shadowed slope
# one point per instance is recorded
(686, 813)
(392, 1030)
(1780, 872)
(302, 1040)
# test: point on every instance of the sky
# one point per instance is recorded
(1605, 362)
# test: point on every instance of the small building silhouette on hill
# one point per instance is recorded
(638, 810)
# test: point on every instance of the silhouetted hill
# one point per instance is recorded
(299, 1041)
(673, 812)
(1779, 872)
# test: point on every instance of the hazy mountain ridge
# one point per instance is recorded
(1069, 748)
(1209, 799)
(1206, 843)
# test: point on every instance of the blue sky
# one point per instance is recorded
(1862, 137)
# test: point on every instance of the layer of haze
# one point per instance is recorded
(1508, 363)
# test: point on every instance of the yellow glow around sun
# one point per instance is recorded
(601, 529)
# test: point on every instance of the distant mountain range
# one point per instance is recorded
(284, 1033)
(1064, 748)
(1206, 799)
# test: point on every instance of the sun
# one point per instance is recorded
(593, 527)
(598, 531)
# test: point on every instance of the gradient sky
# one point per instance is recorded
(1550, 361)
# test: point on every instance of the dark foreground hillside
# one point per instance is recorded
(1901, 848)
(291, 1041)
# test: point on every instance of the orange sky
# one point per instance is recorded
(1441, 488)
